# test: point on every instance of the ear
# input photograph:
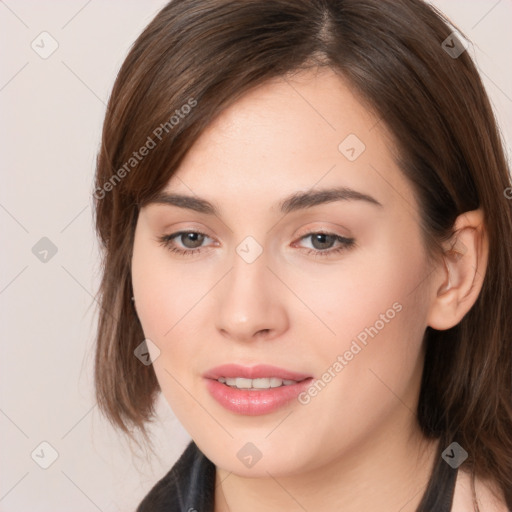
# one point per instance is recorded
(458, 284)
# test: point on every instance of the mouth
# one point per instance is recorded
(255, 390)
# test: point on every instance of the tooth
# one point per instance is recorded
(262, 383)
(275, 382)
(242, 383)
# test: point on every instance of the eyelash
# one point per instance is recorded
(346, 244)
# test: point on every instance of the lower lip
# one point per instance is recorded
(254, 403)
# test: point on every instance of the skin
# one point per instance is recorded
(356, 445)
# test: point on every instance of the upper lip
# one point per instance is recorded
(253, 372)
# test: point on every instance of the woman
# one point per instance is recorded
(303, 207)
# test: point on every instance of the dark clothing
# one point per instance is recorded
(190, 487)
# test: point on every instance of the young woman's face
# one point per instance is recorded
(333, 294)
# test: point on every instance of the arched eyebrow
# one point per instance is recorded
(301, 200)
(296, 201)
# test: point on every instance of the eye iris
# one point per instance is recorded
(195, 238)
(321, 237)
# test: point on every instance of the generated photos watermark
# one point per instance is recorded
(342, 360)
(151, 142)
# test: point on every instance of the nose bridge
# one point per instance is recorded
(247, 300)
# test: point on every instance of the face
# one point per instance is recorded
(330, 293)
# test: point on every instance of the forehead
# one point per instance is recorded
(292, 133)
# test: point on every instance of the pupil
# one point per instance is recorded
(321, 237)
(189, 237)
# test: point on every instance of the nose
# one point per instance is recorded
(250, 303)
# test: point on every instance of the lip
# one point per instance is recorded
(254, 403)
(253, 372)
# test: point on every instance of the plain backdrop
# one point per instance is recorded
(51, 113)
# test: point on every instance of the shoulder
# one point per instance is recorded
(488, 496)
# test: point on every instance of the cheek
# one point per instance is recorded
(376, 311)
(379, 319)
(171, 302)
(165, 298)
(364, 292)
(371, 377)
(166, 292)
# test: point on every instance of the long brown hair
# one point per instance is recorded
(210, 52)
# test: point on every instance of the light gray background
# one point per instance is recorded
(51, 115)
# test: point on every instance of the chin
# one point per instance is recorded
(254, 458)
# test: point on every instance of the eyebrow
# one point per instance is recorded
(296, 201)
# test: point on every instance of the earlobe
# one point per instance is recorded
(461, 279)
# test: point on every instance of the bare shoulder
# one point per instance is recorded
(488, 496)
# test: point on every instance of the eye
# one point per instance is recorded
(191, 240)
(323, 243)
(192, 243)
